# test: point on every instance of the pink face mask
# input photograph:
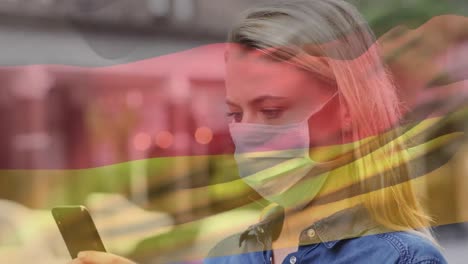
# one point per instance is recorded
(271, 158)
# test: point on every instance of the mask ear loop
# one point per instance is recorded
(322, 106)
(325, 103)
(317, 111)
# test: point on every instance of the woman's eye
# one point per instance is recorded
(272, 113)
(236, 116)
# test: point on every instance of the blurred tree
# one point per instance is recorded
(385, 15)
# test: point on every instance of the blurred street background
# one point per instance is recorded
(114, 103)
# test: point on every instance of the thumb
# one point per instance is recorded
(92, 257)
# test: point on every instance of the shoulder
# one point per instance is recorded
(412, 248)
(393, 247)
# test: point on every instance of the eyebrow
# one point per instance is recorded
(231, 103)
(258, 100)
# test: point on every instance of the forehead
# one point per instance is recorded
(254, 60)
(260, 66)
(254, 72)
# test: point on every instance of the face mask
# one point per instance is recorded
(273, 158)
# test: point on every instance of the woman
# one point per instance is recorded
(316, 128)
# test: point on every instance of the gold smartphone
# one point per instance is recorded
(78, 229)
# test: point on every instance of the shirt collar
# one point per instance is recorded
(349, 223)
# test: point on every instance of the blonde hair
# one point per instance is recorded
(344, 52)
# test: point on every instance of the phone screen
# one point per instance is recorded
(77, 229)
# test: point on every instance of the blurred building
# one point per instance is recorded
(57, 117)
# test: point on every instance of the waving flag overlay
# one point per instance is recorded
(154, 132)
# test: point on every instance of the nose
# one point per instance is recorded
(250, 118)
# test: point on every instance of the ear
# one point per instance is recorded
(345, 119)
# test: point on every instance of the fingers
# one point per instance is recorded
(75, 261)
(95, 257)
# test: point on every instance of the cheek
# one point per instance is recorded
(325, 127)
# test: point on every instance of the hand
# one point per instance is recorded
(95, 257)
(412, 54)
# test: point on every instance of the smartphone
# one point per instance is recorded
(78, 229)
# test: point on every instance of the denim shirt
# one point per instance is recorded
(349, 236)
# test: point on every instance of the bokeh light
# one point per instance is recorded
(203, 135)
(142, 141)
(164, 139)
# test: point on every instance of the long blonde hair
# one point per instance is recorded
(344, 52)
